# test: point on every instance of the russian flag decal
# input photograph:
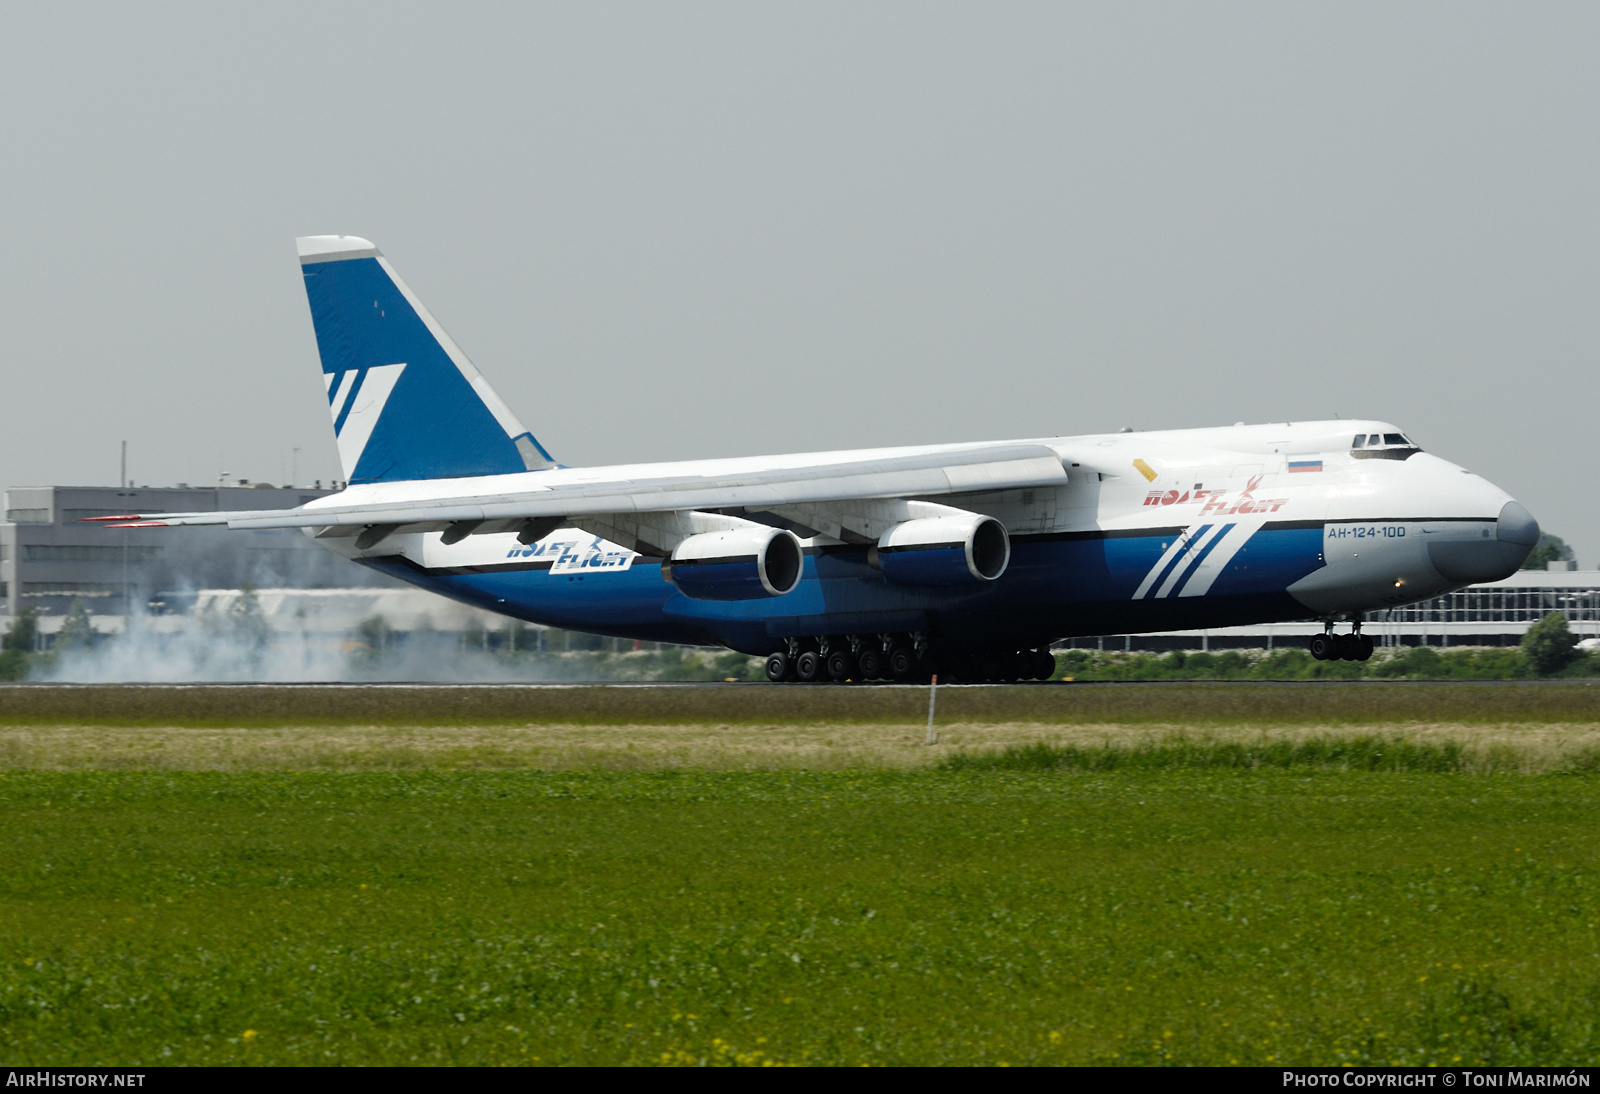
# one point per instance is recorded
(1304, 465)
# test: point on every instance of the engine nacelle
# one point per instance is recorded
(949, 550)
(741, 564)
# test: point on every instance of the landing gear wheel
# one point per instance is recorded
(1323, 647)
(1044, 664)
(902, 662)
(1016, 666)
(872, 665)
(1366, 648)
(779, 667)
(1349, 647)
(808, 666)
(841, 666)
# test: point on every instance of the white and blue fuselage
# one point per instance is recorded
(1150, 531)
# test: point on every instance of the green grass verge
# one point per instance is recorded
(1180, 913)
(1359, 753)
(1193, 704)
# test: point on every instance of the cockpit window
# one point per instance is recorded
(1383, 446)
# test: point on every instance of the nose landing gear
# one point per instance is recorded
(1328, 646)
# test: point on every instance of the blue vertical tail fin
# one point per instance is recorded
(406, 402)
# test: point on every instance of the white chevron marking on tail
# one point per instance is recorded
(341, 385)
(365, 410)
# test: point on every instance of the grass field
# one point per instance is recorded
(1265, 881)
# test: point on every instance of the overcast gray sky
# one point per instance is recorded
(684, 230)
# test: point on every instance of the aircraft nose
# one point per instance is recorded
(1516, 525)
(1489, 558)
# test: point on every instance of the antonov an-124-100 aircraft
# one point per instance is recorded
(966, 560)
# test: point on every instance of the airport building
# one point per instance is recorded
(50, 558)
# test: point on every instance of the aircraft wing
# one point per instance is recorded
(928, 474)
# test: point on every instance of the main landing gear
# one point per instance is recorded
(1328, 646)
(903, 658)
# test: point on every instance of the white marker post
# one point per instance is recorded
(933, 694)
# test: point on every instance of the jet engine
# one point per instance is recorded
(740, 564)
(959, 549)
